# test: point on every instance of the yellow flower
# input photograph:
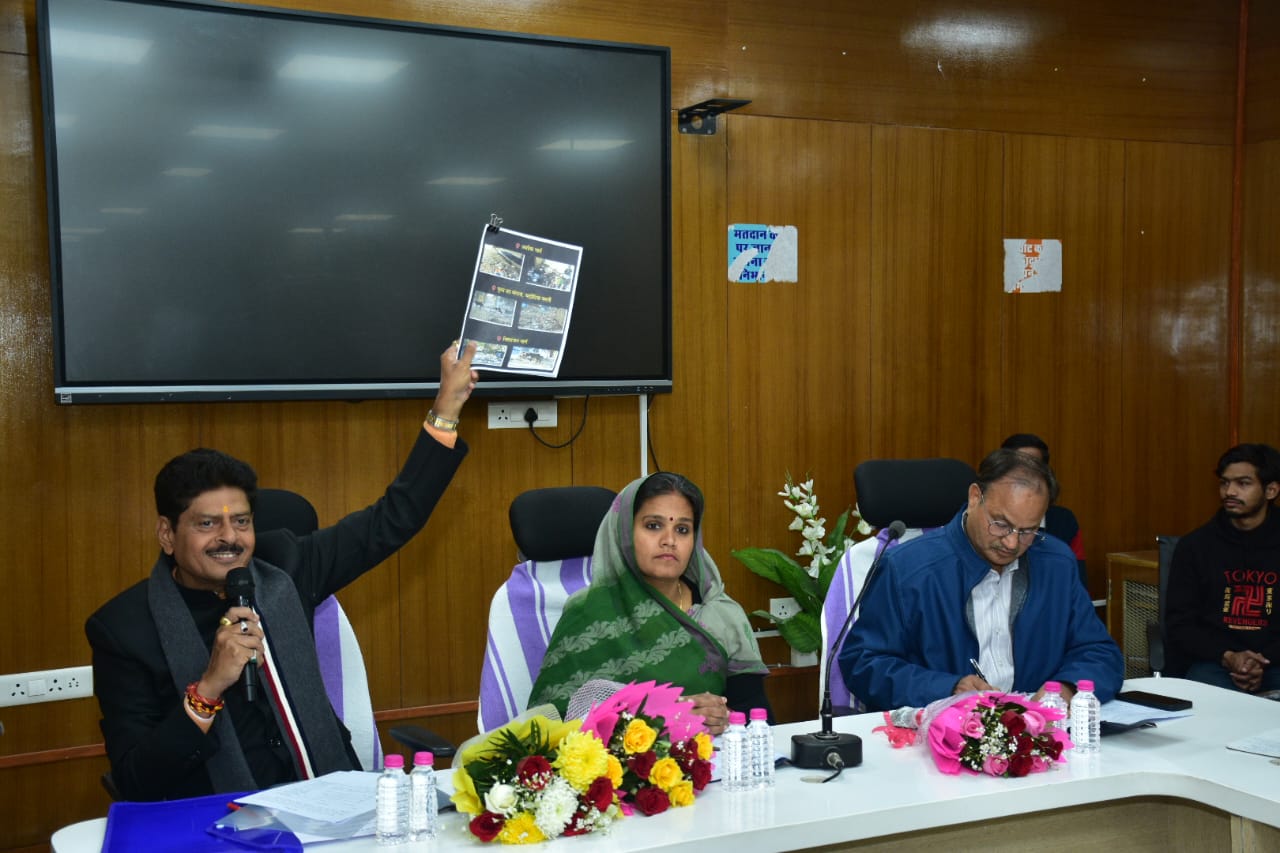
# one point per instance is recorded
(681, 794)
(615, 771)
(704, 745)
(639, 737)
(465, 796)
(581, 759)
(521, 829)
(556, 732)
(666, 773)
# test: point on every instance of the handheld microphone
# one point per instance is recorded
(240, 591)
(828, 748)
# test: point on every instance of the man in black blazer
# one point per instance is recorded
(169, 653)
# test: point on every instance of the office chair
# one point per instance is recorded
(1157, 651)
(922, 494)
(555, 531)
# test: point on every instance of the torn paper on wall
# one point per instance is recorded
(760, 253)
(1032, 266)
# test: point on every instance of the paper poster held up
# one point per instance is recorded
(1032, 266)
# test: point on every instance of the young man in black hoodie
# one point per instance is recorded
(1224, 582)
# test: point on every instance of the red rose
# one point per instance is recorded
(700, 773)
(577, 824)
(1020, 765)
(534, 771)
(1023, 745)
(1013, 722)
(684, 752)
(600, 793)
(1051, 747)
(642, 763)
(652, 800)
(486, 825)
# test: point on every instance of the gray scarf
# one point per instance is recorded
(296, 670)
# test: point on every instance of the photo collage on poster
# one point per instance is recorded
(521, 302)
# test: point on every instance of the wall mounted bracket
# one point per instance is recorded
(701, 118)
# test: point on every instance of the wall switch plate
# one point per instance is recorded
(511, 415)
(783, 608)
(49, 685)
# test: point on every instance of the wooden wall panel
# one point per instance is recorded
(937, 294)
(687, 428)
(693, 29)
(1063, 350)
(1262, 80)
(449, 573)
(1141, 70)
(799, 354)
(1173, 421)
(1259, 402)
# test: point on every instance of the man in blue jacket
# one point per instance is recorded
(986, 603)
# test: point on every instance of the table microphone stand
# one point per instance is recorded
(828, 748)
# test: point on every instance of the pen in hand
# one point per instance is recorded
(977, 670)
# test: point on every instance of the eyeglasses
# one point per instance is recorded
(1002, 529)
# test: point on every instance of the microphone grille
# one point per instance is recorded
(239, 580)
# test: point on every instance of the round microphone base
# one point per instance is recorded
(813, 751)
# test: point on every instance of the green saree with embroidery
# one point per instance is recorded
(621, 629)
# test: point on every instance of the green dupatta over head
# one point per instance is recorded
(621, 629)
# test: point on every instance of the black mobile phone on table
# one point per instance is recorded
(1154, 700)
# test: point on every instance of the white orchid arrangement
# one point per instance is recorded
(800, 499)
(820, 549)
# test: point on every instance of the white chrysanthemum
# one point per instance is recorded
(555, 807)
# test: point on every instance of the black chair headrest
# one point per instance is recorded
(281, 509)
(917, 492)
(559, 522)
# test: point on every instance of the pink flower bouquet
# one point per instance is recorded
(995, 733)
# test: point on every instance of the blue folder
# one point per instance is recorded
(183, 826)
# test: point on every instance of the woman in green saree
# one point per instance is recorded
(656, 610)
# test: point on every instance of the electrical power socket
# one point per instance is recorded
(511, 415)
(783, 608)
(49, 685)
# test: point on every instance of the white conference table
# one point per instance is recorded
(1175, 786)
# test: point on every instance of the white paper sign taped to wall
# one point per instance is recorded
(761, 253)
(1032, 266)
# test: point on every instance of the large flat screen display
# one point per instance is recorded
(253, 203)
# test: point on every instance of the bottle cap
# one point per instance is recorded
(1085, 684)
(393, 760)
(1052, 687)
(759, 714)
(421, 759)
(737, 718)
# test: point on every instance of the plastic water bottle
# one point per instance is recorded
(389, 814)
(760, 748)
(1053, 699)
(1086, 718)
(735, 770)
(423, 818)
